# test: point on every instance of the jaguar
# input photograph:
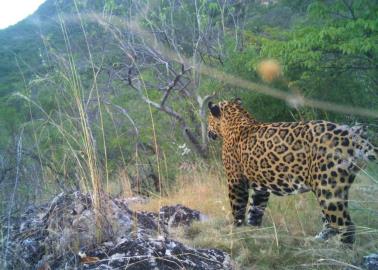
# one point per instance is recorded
(285, 158)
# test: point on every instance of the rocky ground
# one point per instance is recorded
(62, 235)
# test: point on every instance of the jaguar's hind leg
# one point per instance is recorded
(327, 232)
(333, 226)
(334, 204)
(259, 201)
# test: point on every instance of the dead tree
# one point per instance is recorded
(199, 144)
(187, 30)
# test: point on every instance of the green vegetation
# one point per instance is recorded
(111, 95)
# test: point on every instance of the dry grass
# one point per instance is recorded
(286, 239)
(193, 189)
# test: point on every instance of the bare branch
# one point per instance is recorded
(157, 106)
(172, 84)
(124, 112)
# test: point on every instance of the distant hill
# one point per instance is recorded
(21, 47)
(24, 45)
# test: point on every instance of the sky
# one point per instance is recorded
(13, 11)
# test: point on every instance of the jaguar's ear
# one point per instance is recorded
(214, 109)
(238, 101)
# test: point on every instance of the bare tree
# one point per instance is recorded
(178, 82)
(189, 34)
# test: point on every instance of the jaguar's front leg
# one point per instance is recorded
(238, 194)
(258, 204)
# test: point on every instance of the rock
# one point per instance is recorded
(62, 235)
(179, 215)
(370, 262)
(148, 222)
(136, 200)
(158, 253)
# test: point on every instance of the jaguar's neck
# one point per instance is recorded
(234, 122)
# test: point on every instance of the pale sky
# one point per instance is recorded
(13, 11)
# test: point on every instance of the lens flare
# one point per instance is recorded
(269, 70)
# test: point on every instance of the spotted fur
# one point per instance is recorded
(288, 158)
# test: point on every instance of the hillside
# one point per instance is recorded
(111, 97)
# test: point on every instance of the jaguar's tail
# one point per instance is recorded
(374, 154)
(365, 149)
